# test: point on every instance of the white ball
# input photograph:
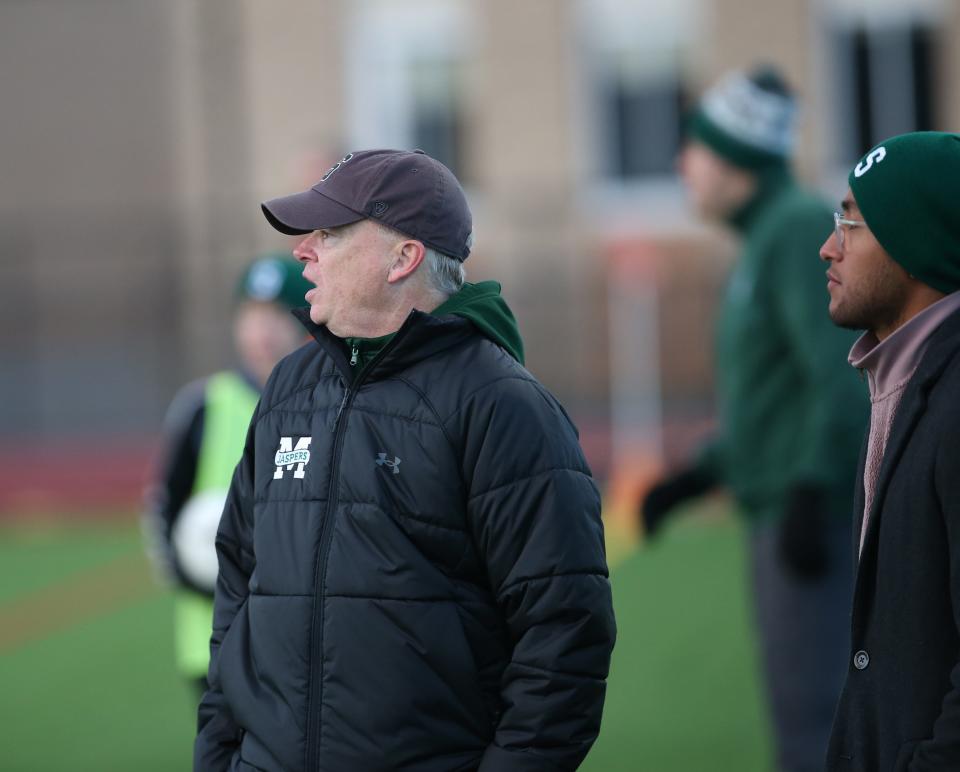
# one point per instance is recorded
(194, 537)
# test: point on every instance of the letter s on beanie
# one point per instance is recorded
(908, 191)
(875, 155)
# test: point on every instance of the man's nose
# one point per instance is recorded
(831, 249)
(302, 251)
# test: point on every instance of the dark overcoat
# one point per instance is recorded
(900, 707)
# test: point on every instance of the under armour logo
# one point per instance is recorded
(289, 456)
(394, 465)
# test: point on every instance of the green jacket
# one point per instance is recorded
(791, 409)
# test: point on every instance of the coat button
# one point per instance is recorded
(861, 659)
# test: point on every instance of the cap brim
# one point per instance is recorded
(306, 212)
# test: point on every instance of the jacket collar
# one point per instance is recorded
(893, 360)
(420, 337)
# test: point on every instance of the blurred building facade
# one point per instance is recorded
(139, 138)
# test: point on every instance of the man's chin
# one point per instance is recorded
(836, 314)
(844, 320)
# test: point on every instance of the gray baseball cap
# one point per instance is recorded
(407, 190)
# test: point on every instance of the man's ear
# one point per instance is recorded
(407, 258)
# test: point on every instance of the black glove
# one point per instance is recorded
(665, 496)
(802, 538)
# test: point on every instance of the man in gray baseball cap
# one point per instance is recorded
(412, 573)
(408, 191)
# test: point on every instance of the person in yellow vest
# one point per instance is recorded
(204, 433)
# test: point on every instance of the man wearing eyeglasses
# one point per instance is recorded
(894, 271)
(790, 411)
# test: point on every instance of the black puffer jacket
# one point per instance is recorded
(431, 593)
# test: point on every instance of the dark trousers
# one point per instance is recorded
(803, 629)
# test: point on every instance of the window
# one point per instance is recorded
(643, 123)
(883, 76)
(436, 110)
(633, 58)
(405, 89)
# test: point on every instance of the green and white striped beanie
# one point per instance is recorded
(748, 119)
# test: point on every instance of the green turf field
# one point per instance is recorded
(86, 681)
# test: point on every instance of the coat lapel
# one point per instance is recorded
(859, 497)
(943, 345)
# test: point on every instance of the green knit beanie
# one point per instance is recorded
(276, 279)
(908, 191)
(748, 119)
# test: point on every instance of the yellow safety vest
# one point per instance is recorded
(229, 402)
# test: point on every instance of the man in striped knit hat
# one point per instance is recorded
(894, 271)
(791, 412)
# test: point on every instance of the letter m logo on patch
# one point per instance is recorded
(290, 456)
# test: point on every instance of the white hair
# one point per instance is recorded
(446, 274)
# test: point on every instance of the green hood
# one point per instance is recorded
(480, 303)
(483, 305)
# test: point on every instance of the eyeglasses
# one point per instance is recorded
(839, 221)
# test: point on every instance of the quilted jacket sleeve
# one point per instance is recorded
(534, 513)
(218, 735)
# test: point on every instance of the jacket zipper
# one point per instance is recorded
(343, 404)
(319, 573)
(315, 696)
